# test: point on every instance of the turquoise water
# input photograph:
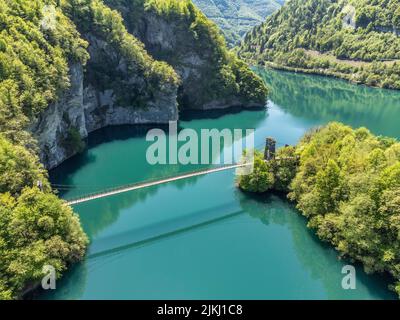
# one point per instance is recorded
(201, 238)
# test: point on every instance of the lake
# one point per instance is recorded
(202, 238)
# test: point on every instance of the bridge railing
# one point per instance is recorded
(144, 182)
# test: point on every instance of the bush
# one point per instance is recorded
(261, 179)
(73, 142)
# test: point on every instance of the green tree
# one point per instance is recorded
(36, 228)
(328, 187)
(347, 183)
(261, 179)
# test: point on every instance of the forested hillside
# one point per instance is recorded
(69, 67)
(347, 183)
(236, 17)
(356, 40)
(180, 34)
(36, 228)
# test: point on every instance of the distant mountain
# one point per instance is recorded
(358, 40)
(236, 17)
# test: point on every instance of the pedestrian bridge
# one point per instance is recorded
(269, 155)
(149, 183)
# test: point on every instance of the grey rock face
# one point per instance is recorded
(349, 19)
(159, 35)
(52, 126)
(100, 110)
(95, 101)
(173, 42)
(165, 41)
(87, 109)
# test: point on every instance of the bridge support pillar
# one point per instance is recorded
(270, 149)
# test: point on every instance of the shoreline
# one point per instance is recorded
(325, 73)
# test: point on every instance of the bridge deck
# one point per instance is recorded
(137, 186)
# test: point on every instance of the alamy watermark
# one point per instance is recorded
(209, 146)
(49, 20)
(49, 279)
(349, 280)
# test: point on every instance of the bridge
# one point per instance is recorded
(150, 183)
(269, 154)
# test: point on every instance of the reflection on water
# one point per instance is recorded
(201, 237)
(256, 247)
(324, 99)
(316, 257)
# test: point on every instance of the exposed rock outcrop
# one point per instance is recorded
(193, 46)
(349, 19)
(123, 84)
(52, 126)
(104, 107)
(84, 108)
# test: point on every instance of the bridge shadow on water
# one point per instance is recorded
(160, 232)
(270, 209)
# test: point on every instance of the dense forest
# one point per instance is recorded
(237, 17)
(347, 183)
(36, 227)
(357, 40)
(217, 74)
(39, 42)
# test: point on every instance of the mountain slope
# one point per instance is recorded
(120, 84)
(356, 40)
(69, 67)
(236, 17)
(37, 228)
(177, 32)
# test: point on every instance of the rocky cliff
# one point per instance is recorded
(144, 64)
(119, 85)
(180, 34)
(84, 109)
(123, 84)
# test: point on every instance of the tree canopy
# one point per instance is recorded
(347, 183)
(36, 227)
(357, 40)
